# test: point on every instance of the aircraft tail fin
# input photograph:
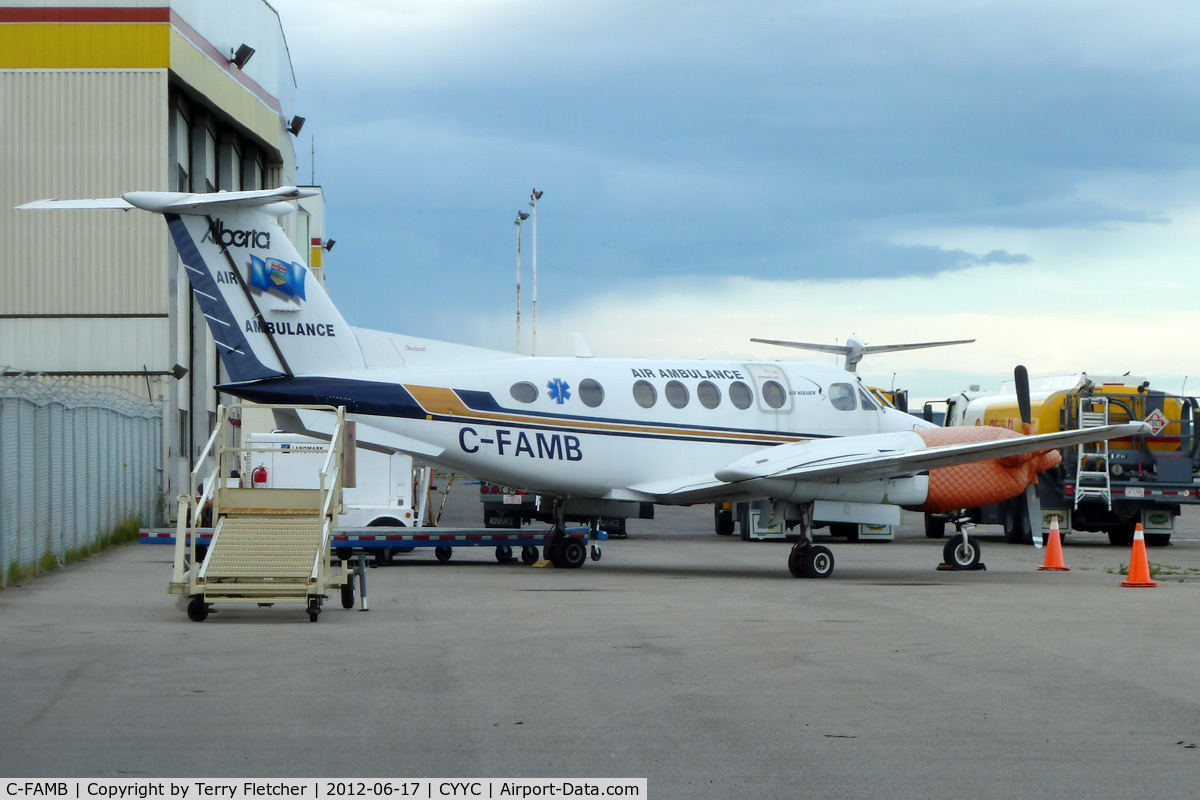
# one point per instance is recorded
(269, 316)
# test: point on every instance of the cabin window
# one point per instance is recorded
(645, 394)
(773, 394)
(708, 394)
(677, 394)
(523, 392)
(867, 403)
(740, 395)
(842, 396)
(591, 392)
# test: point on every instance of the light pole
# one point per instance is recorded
(534, 196)
(521, 217)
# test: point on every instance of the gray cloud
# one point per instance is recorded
(705, 139)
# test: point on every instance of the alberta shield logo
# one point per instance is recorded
(273, 273)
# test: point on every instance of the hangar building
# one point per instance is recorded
(99, 97)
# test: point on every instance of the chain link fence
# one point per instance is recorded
(76, 460)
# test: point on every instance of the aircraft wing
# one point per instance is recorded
(861, 461)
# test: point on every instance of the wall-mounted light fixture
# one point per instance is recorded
(295, 125)
(241, 56)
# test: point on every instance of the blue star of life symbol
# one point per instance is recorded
(560, 390)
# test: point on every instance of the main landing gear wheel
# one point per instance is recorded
(443, 553)
(571, 554)
(961, 553)
(504, 553)
(197, 610)
(529, 554)
(810, 561)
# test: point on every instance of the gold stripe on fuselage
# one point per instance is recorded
(440, 401)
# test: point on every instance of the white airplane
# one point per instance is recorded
(592, 433)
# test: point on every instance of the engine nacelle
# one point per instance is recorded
(980, 483)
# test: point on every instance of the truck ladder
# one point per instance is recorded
(1091, 468)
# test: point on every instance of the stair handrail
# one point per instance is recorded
(331, 487)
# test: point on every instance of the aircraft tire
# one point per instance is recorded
(810, 561)
(961, 554)
(572, 554)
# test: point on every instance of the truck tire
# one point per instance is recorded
(847, 529)
(935, 527)
(1158, 539)
(723, 521)
(385, 555)
(1121, 537)
(1016, 524)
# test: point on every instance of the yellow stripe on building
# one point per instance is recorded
(85, 45)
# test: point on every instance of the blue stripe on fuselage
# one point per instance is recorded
(359, 397)
(393, 400)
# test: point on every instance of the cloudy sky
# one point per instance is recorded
(1025, 173)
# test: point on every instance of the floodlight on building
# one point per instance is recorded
(328, 244)
(295, 125)
(241, 56)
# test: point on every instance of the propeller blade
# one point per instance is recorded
(1021, 379)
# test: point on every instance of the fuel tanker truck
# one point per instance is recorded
(1106, 487)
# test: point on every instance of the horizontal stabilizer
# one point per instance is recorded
(188, 203)
(319, 425)
(854, 349)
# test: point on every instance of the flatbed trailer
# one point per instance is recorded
(382, 541)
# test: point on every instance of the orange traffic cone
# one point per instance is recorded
(1054, 559)
(1139, 568)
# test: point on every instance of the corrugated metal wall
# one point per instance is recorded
(74, 462)
(78, 133)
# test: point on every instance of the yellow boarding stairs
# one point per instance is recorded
(268, 545)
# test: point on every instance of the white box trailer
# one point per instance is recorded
(384, 495)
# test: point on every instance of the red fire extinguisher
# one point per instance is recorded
(259, 476)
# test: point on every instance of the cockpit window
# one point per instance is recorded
(773, 394)
(841, 395)
(867, 403)
(524, 392)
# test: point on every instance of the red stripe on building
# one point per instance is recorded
(85, 14)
